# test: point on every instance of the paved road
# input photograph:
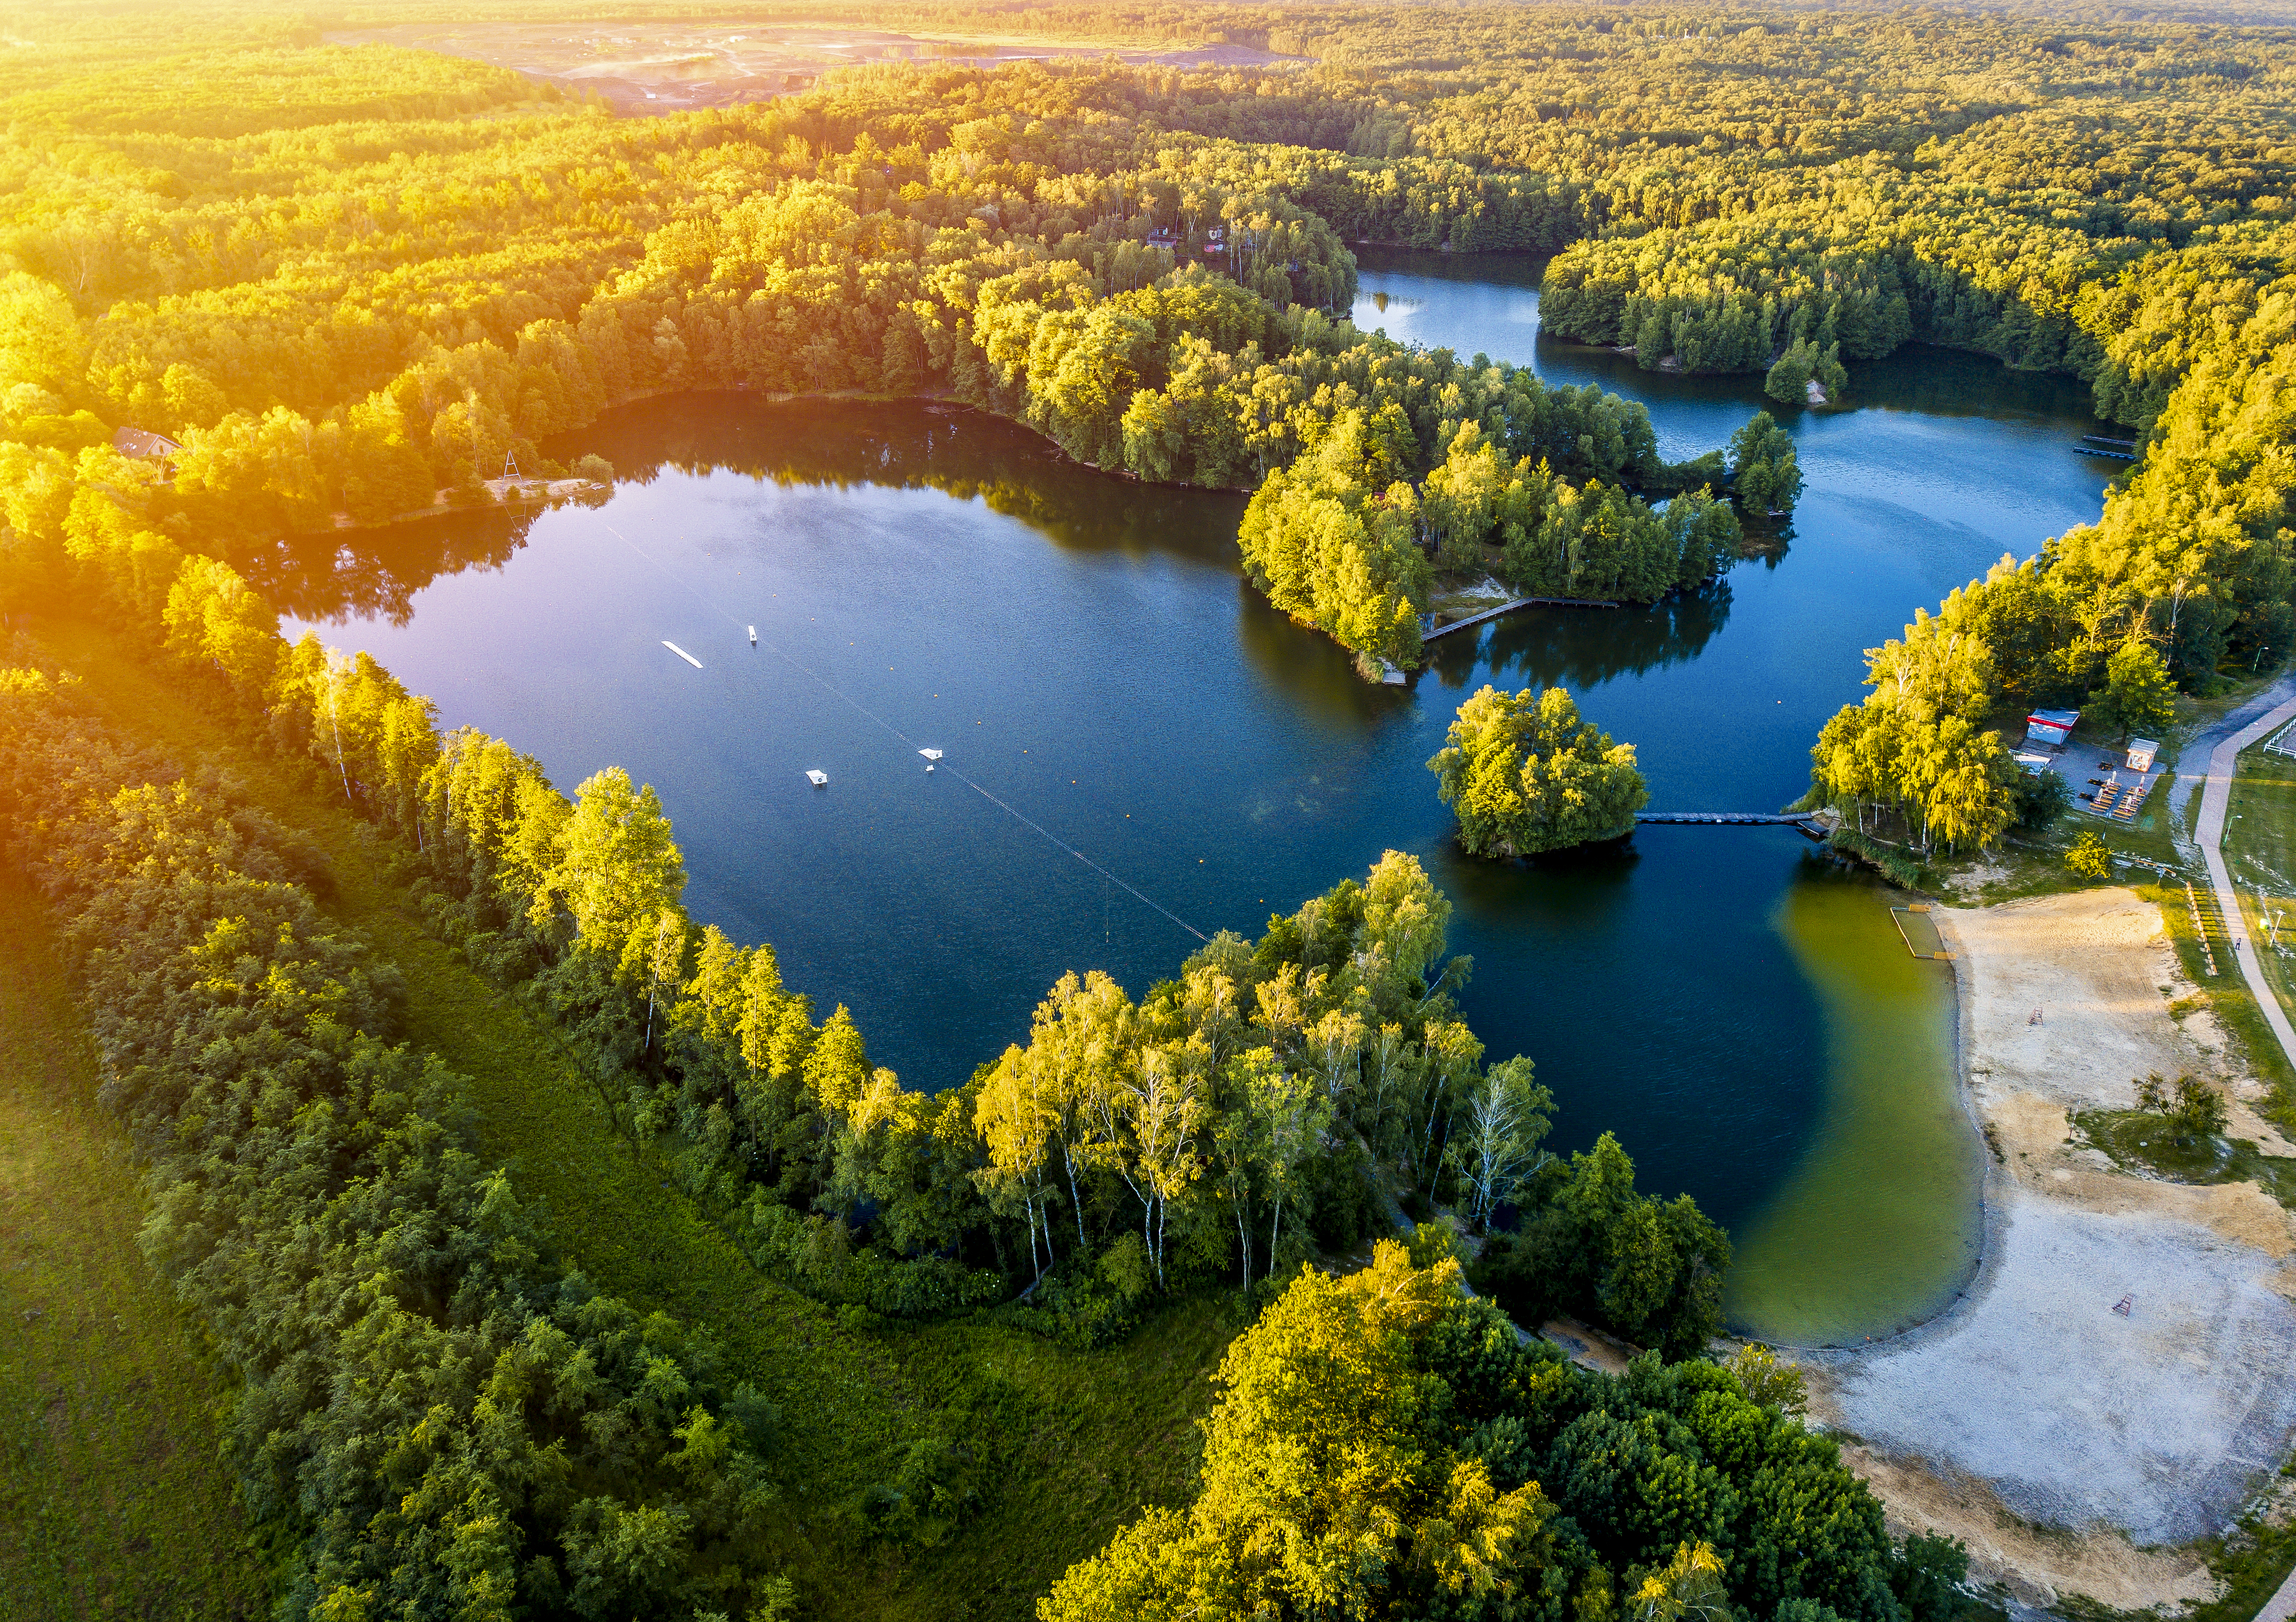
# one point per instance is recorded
(2271, 710)
(2223, 743)
(2193, 761)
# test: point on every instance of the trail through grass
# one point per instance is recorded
(113, 1502)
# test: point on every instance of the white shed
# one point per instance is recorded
(2141, 751)
(2049, 728)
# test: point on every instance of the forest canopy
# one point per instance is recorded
(1525, 774)
(353, 280)
(351, 284)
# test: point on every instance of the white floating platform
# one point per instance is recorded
(929, 754)
(681, 653)
(818, 778)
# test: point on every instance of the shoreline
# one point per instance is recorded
(2118, 1374)
(1992, 1209)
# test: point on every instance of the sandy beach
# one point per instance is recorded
(2120, 1377)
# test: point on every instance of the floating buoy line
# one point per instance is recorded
(932, 755)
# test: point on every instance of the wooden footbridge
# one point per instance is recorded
(1802, 821)
(1509, 607)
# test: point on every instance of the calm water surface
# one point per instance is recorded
(1087, 655)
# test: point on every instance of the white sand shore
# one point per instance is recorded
(2066, 1443)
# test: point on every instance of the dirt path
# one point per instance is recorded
(2066, 1441)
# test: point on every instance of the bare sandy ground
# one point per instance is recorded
(2064, 1441)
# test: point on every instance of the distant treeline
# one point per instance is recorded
(486, 266)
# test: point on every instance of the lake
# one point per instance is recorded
(1146, 748)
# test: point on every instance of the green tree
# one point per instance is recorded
(1768, 1382)
(1328, 1487)
(1790, 377)
(213, 618)
(1525, 774)
(1688, 1589)
(618, 865)
(2200, 1110)
(1764, 470)
(1591, 1245)
(1506, 1117)
(2138, 696)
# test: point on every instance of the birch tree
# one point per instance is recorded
(620, 865)
(1015, 1124)
(1506, 1117)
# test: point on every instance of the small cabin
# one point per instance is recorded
(2049, 728)
(2141, 751)
(2031, 763)
(144, 446)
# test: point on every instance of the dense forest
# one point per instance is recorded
(355, 283)
(1384, 1446)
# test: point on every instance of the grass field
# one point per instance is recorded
(2259, 849)
(1094, 1436)
(113, 1502)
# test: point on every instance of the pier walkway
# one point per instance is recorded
(1509, 607)
(1801, 822)
(1739, 819)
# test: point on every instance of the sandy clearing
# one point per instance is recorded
(2156, 1423)
(2037, 1566)
(2097, 966)
(2031, 1420)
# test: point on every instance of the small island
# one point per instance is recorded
(1525, 774)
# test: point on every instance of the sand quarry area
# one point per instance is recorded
(2071, 1445)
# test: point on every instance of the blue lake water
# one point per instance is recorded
(1087, 654)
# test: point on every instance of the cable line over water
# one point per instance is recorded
(831, 688)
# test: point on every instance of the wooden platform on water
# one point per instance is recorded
(1509, 607)
(1919, 931)
(1808, 825)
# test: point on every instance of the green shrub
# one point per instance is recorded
(2090, 857)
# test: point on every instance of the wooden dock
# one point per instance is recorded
(1919, 931)
(1727, 819)
(1509, 607)
(1807, 825)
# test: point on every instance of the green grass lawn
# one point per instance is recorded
(1087, 1439)
(2135, 1139)
(113, 1502)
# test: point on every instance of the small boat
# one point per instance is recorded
(753, 636)
(929, 754)
(818, 778)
